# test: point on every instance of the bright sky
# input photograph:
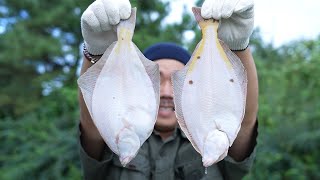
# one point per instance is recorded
(280, 21)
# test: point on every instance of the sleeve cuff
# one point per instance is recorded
(90, 166)
(89, 162)
(248, 161)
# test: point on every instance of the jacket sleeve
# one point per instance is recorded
(92, 168)
(233, 170)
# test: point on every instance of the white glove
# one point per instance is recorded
(97, 23)
(236, 20)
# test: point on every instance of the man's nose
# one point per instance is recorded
(166, 89)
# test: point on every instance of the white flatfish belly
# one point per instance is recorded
(124, 105)
(210, 96)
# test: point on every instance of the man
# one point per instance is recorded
(168, 154)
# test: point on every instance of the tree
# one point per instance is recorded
(40, 54)
(289, 136)
(39, 51)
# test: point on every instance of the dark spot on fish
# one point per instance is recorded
(231, 80)
(198, 57)
(190, 82)
(122, 38)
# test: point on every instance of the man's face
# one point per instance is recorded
(166, 117)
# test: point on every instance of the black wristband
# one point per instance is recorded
(240, 49)
(92, 58)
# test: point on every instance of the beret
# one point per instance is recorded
(167, 50)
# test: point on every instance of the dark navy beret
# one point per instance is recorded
(167, 50)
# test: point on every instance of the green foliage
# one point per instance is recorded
(40, 44)
(150, 26)
(38, 95)
(289, 139)
(42, 144)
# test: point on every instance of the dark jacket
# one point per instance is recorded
(172, 159)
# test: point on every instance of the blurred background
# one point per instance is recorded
(40, 56)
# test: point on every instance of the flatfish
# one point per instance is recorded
(121, 92)
(210, 94)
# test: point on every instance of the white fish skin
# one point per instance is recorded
(215, 147)
(121, 92)
(124, 106)
(210, 93)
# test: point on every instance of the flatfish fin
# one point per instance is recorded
(178, 79)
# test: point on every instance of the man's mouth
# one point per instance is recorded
(161, 108)
(166, 107)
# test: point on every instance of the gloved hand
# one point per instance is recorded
(97, 23)
(236, 20)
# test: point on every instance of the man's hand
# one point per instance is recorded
(236, 20)
(97, 23)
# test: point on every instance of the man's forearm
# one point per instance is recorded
(90, 138)
(243, 144)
